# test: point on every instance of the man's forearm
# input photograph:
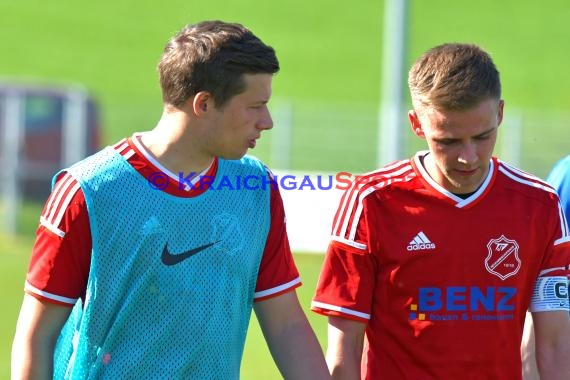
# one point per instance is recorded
(290, 338)
(298, 353)
(32, 359)
(344, 367)
(553, 362)
(345, 344)
(37, 330)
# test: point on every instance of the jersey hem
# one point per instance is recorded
(349, 244)
(341, 311)
(277, 294)
(278, 290)
(45, 296)
(48, 300)
(332, 313)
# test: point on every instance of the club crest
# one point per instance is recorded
(503, 258)
(227, 230)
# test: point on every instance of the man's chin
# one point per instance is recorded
(233, 156)
(466, 188)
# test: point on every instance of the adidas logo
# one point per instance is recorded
(420, 242)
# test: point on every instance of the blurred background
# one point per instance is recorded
(66, 65)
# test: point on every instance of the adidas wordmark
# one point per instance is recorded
(420, 242)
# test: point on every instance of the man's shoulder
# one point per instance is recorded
(103, 155)
(522, 183)
(398, 174)
(106, 153)
(107, 160)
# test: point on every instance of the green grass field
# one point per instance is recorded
(330, 54)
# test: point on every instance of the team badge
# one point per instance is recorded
(227, 230)
(503, 258)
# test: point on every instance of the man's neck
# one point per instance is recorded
(171, 144)
(429, 165)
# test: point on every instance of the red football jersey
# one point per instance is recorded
(61, 256)
(443, 283)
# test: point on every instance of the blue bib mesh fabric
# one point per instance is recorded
(143, 319)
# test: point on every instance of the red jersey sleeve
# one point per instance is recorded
(277, 271)
(60, 260)
(346, 282)
(557, 263)
(551, 287)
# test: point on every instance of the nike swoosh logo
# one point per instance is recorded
(170, 259)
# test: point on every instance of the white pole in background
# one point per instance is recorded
(390, 146)
(13, 123)
(74, 127)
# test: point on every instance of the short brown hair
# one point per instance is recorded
(212, 56)
(453, 77)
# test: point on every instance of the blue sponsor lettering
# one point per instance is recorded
(480, 298)
(430, 299)
(507, 294)
(461, 298)
(456, 298)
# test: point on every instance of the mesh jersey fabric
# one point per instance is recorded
(143, 319)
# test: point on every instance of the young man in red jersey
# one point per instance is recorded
(140, 270)
(435, 260)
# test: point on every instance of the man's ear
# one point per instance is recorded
(201, 102)
(415, 124)
(500, 111)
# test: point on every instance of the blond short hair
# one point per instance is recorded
(453, 76)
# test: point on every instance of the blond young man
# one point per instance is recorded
(434, 260)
